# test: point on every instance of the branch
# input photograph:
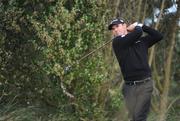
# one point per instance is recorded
(157, 24)
(65, 90)
(170, 105)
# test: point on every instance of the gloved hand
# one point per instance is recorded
(131, 27)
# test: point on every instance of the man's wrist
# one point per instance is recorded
(135, 23)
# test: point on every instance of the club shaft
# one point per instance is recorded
(90, 53)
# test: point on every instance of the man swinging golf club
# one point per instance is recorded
(131, 50)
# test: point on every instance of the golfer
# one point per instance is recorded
(131, 50)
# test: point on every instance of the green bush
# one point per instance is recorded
(38, 39)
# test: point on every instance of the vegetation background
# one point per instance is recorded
(41, 42)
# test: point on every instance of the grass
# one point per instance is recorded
(34, 113)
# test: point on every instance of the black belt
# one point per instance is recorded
(131, 83)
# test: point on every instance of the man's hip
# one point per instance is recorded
(137, 97)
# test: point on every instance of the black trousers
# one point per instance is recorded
(138, 100)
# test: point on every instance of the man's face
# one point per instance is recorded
(119, 29)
